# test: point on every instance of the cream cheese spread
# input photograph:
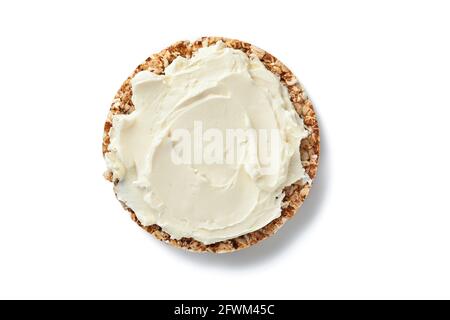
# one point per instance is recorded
(209, 148)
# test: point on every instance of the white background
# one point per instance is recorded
(376, 225)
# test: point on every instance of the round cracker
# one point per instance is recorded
(295, 194)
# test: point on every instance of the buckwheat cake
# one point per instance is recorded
(214, 84)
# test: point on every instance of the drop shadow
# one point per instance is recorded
(290, 233)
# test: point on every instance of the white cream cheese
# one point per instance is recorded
(219, 89)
